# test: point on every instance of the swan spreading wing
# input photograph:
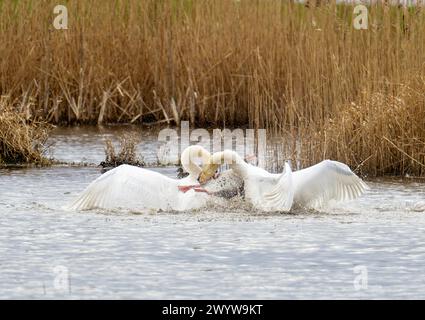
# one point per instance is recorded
(137, 188)
(269, 192)
(264, 190)
(313, 187)
(316, 186)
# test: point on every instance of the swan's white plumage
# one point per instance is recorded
(264, 190)
(137, 188)
(313, 187)
(269, 192)
(327, 181)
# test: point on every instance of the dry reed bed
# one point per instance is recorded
(21, 141)
(380, 135)
(126, 154)
(266, 64)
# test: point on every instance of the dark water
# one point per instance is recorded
(225, 251)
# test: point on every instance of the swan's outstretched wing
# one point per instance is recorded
(328, 180)
(270, 192)
(129, 187)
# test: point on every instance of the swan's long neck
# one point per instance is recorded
(191, 153)
(231, 158)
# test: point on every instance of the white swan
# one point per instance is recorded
(265, 191)
(313, 187)
(137, 188)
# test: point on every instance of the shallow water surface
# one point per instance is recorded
(224, 251)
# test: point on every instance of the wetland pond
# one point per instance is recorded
(373, 247)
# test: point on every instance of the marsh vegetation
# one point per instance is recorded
(352, 95)
(126, 154)
(22, 141)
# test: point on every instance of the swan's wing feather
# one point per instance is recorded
(326, 181)
(128, 187)
(270, 192)
(281, 195)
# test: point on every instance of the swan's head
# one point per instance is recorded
(208, 172)
(189, 155)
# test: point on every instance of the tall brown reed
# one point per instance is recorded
(381, 134)
(21, 141)
(265, 64)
